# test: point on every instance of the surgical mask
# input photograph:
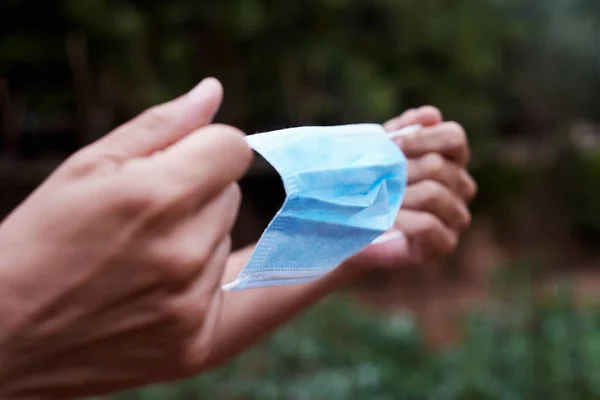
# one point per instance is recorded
(344, 186)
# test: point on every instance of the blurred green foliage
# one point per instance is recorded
(502, 68)
(575, 179)
(524, 347)
(493, 65)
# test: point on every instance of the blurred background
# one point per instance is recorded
(513, 315)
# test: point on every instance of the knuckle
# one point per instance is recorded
(155, 117)
(450, 244)
(434, 164)
(437, 238)
(176, 262)
(191, 313)
(471, 189)
(86, 162)
(80, 163)
(193, 255)
(457, 136)
(144, 194)
(430, 225)
(433, 192)
(132, 196)
(465, 219)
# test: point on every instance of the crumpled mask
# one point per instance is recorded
(344, 186)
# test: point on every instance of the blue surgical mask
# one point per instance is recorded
(344, 187)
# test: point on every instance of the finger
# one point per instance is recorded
(218, 218)
(205, 298)
(471, 187)
(192, 303)
(426, 116)
(433, 166)
(437, 199)
(206, 161)
(432, 236)
(160, 126)
(185, 250)
(447, 138)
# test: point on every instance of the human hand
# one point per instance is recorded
(110, 272)
(434, 211)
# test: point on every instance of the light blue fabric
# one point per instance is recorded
(344, 186)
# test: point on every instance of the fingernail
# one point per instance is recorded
(200, 91)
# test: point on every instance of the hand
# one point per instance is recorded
(434, 211)
(110, 272)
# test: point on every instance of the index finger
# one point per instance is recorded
(447, 138)
(207, 160)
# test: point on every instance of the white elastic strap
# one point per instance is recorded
(388, 236)
(231, 285)
(407, 130)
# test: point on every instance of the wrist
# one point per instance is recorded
(18, 305)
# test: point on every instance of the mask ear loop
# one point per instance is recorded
(407, 130)
(394, 233)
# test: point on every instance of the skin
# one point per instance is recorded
(111, 270)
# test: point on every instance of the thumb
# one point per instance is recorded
(160, 126)
(425, 116)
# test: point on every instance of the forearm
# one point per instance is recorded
(247, 316)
